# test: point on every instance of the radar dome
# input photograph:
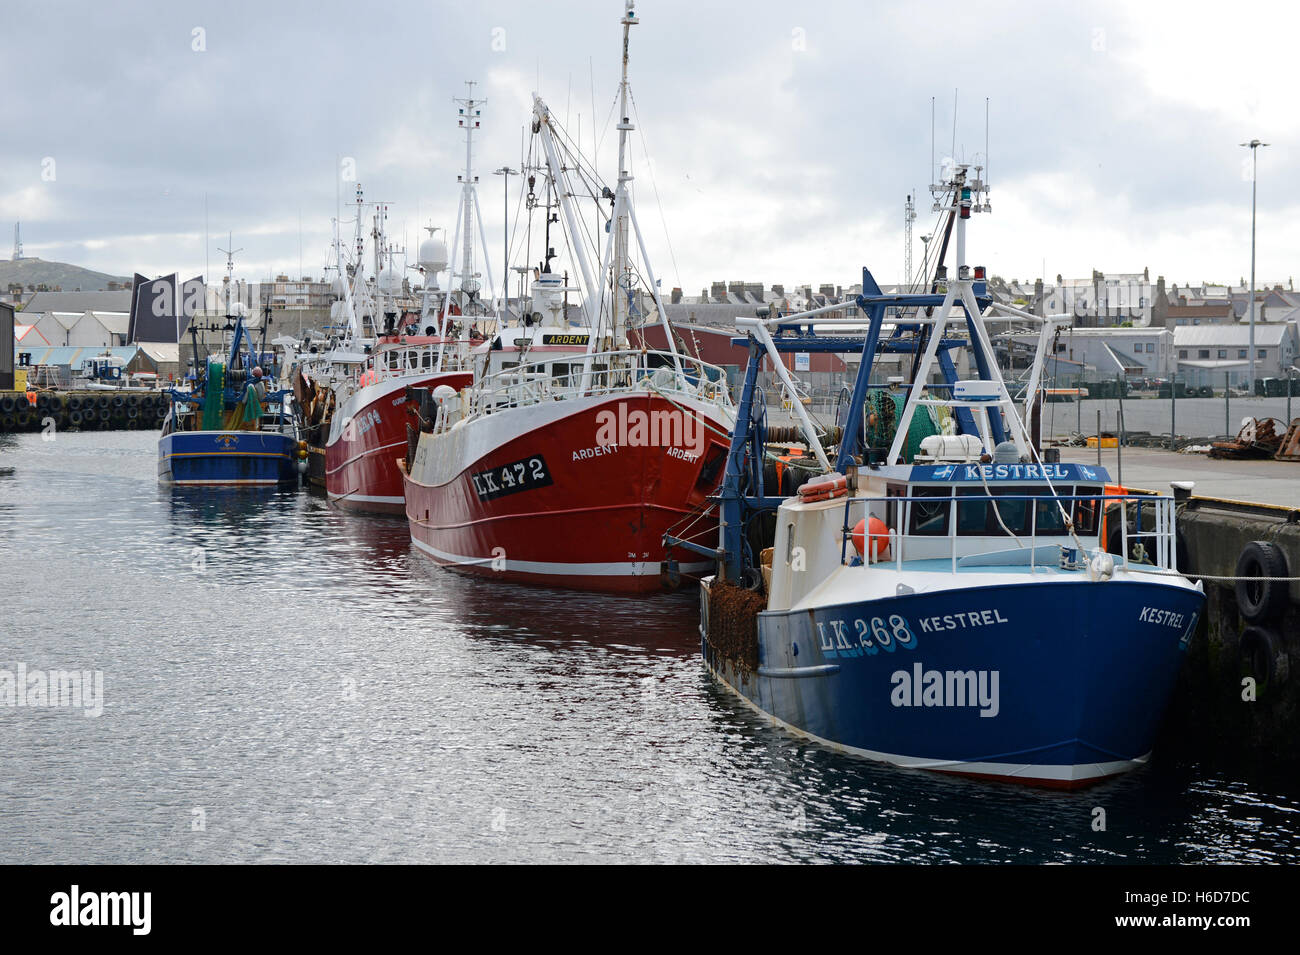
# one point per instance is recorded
(390, 281)
(339, 288)
(433, 254)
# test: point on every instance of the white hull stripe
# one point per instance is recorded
(1026, 771)
(368, 498)
(641, 568)
(366, 453)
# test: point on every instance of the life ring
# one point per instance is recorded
(1260, 654)
(823, 488)
(1261, 599)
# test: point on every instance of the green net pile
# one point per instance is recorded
(883, 412)
(214, 391)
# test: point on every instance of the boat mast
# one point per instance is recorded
(622, 277)
(357, 279)
(564, 195)
(964, 192)
(345, 283)
(468, 216)
(624, 214)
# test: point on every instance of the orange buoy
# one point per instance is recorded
(879, 537)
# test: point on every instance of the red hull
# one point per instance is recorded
(361, 472)
(551, 506)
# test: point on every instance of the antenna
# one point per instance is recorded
(230, 268)
(953, 154)
(933, 178)
(986, 139)
(909, 216)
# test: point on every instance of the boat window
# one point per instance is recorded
(930, 518)
(426, 359)
(894, 508)
(1047, 512)
(977, 518)
(1086, 511)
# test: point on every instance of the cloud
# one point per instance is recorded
(782, 142)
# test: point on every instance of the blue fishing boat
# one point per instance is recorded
(941, 597)
(230, 429)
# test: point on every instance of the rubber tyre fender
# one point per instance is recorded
(1261, 600)
(1262, 656)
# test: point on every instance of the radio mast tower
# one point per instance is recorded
(18, 242)
(469, 214)
(909, 216)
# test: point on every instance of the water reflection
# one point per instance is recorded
(327, 694)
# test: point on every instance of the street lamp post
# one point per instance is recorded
(1290, 387)
(505, 172)
(1253, 146)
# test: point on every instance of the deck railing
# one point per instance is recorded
(1159, 547)
(611, 372)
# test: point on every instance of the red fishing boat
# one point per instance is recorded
(368, 430)
(429, 350)
(573, 452)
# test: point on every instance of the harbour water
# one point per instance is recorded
(287, 683)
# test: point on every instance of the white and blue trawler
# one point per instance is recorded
(230, 429)
(951, 605)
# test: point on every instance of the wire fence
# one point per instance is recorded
(1177, 421)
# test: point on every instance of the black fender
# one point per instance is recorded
(1261, 599)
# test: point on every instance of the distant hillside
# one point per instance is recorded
(70, 278)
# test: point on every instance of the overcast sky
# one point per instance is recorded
(783, 137)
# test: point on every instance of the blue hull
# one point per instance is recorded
(1048, 683)
(234, 458)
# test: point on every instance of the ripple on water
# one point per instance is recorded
(322, 693)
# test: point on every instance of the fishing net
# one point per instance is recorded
(883, 412)
(214, 391)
